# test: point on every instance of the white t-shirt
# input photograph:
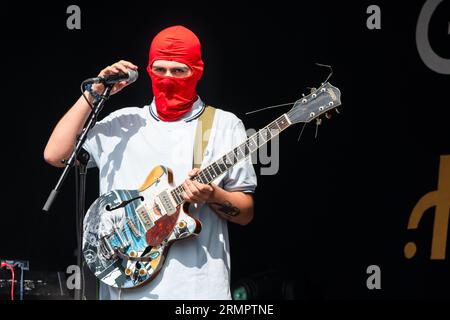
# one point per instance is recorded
(126, 145)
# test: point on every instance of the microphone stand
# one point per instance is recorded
(82, 156)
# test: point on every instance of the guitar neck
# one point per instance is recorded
(239, 153)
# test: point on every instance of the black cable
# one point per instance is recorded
(84, 96)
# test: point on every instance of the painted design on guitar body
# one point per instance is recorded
(109, 225)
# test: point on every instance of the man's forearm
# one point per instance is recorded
(62, 139)
(235, 206)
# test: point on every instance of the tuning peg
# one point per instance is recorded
(312, 89)
(328, 115)
(318, 121)
(337, 111)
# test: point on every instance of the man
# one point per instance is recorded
(129, 142)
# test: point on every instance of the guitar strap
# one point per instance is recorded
(202, 134)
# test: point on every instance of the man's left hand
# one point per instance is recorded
(194, 191)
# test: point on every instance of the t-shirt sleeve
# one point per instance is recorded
(242, 176)
(93, 144)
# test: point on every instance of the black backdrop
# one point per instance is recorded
(338, 204)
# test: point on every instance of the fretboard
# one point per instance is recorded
(239, 153)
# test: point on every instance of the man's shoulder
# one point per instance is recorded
(126, 114)
(226, 118)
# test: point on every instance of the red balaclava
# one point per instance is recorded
(175, 96)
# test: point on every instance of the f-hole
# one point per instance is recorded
(123, 204)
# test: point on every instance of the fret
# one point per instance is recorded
(223, 167)
(179, 198)
(177, 195)
(216, 166)
(174, 195)
(207, 174)
(265, 135)
(261, 139)
(235, 156)
(226, 162)
(231, 157)
(246, 149)
(252, 143)
(198, 177)
(241, 152)
(205, 177)
(283, 122)
(213, 174)
(211, 167)
(273, 127)
(276, 123)
(180, 190)
(201, 177)
(239, 156)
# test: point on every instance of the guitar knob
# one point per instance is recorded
(128, 272)
(142, 272)
(133, 253)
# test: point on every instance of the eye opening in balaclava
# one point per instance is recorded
(173, 66)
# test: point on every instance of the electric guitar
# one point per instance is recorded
(127, 233)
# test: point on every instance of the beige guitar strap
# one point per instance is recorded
(202, 134)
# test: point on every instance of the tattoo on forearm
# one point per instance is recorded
(227, 208)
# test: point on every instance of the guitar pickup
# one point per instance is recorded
(166, 203)
(144, 216)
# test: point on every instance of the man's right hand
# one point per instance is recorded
(119, 67)
(63, 137)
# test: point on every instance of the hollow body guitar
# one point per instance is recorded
(127, 233)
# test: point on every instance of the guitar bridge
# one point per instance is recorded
(133, 228)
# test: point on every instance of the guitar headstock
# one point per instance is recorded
(318, 102)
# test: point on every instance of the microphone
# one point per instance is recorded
(130, 77)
